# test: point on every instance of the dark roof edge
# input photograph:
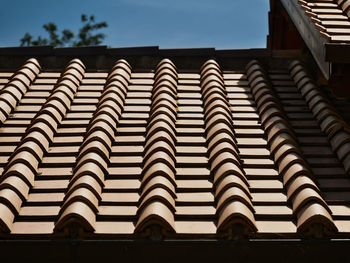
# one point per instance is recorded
(133, 51)
(141, 58)
(175, 251)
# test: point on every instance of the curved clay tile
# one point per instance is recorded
(234, 207)
(164, 93)
(314, 212)
(18, 176)
(90, 168)
(212, 69)
(157, 201)
(158, 194)
(155, 147)
(229, 168)
(13, 91)
(158, 169)
(337, 130)
(158, 182)
(169, 64)
(165, 74)
(159, 156)
(156, 220)
(83, 195)
(235, 218)
(163, 100)
(160, 135)
(319, 21)
(302, 191)
(345, 5)
(223, 147)
(233, 194)
(94, 147)
(231, 181)
(161, 123)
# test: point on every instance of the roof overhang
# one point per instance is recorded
(174, 251)
(310, 34)
(333, 59)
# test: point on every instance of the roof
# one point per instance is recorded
(160, 153)
(331, 18)
(143, 153)
(323, 27)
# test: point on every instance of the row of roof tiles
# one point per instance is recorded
(19, 174)
(330, 17)
(232, 193)
(18, 85)
(158, 184)
(85, 187)
(302, 191)
(157, 202)
(331, 123)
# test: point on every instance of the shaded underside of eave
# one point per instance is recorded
(338, 53)
(175, 251)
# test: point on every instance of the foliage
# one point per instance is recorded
(85, 37)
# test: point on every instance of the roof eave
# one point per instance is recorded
(310, 34)
(177, 251)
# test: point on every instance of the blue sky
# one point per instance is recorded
(223, 24)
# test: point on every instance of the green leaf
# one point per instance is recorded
(84, 37)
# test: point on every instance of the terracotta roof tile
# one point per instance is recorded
(330, 121)
(81, 200)
(290, 162)
(13, 91)
(171, 154)
(234, 208)
(157, 200)
(332, 19)
(18, 175)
